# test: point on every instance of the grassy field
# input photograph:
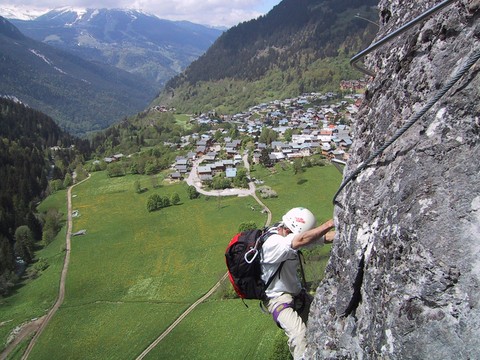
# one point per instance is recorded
(313, 189)
(213, 331)
(183, 120)
(134, 272)
(33, 298)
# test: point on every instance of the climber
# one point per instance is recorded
(286, 300)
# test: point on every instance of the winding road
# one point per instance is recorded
(38, 325)
(193, 180)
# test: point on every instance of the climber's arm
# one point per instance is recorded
(313, 235)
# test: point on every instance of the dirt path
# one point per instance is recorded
(37, 326)
(181, 317)
(192, 180)
(24, 332)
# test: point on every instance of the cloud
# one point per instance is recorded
(212, 12)
(207, 12)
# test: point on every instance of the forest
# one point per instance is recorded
(300, 46)
(36, 157)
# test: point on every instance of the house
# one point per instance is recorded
(236, 143)
(183, 169)
(342, 131)
(237, 159)
(261, 146)
(228, 164)
(231, 173)
(204, 173)
(276, 156)
(176, 176)
(338, 154)
(256, 158)
(201, 150)
(217, 167)
(345, 142)
(210, 157)
(181, 161)
(279, 145)
(191, 156)
(294, 155)
(201, 143)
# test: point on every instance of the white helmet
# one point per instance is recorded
(299, 220)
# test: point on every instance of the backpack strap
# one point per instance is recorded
(251, 254)
(269, 282)
(301, 260)
(268, 232)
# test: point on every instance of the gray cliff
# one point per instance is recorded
(403, 281)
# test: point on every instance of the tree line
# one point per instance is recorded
(293, 36)
(34, 153)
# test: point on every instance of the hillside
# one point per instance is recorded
(140, 43)
(135, 272)
(79, 95)
(27, 163)
(299, 46)
(403, 278)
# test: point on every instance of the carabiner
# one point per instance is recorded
(252, 250)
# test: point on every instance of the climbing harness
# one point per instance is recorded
(463, 70)
(278, 309)
(299, 301)
(298, 304)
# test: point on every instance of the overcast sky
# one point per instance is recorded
(207, 12)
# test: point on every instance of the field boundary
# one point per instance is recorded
(252, 192)
(181, 317)
(61, 292)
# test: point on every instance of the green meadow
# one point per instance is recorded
(32, 299)
(135, 272)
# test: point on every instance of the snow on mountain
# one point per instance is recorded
(21, 12)
(132, 40)
(44, 58)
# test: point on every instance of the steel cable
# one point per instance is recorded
(468, 64)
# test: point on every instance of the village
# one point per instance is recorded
(310, 124)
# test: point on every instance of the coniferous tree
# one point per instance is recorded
(192, 192)
(30, 142)
(175, 199)
(24, 243)
(265, 158)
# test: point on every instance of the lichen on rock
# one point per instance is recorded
(403, 280)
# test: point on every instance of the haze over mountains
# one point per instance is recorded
(78, 94)
(91, 68)
(299, 46)
(140, 43)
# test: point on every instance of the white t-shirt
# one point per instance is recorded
(275, 250)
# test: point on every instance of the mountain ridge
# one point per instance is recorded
(80, 95)
(136, 41)
(299, 46)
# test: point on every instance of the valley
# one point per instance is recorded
(137, 277)
(244, 132)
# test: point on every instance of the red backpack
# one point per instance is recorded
(243, 263)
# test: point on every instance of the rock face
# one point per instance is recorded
(403, 281)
